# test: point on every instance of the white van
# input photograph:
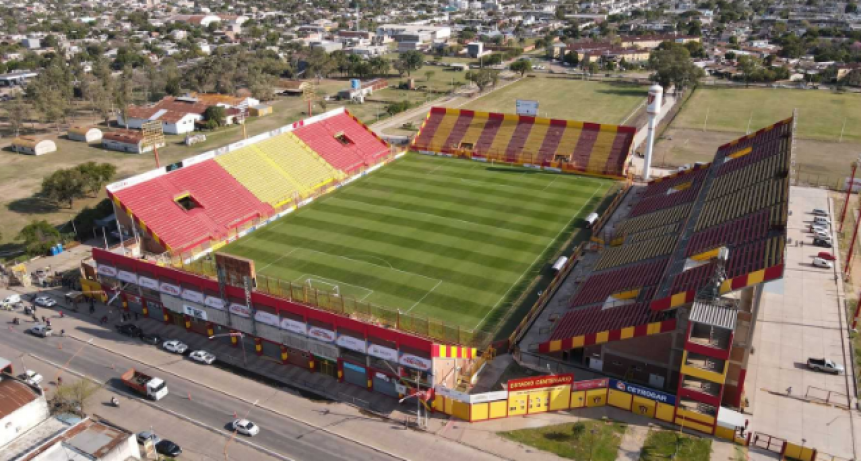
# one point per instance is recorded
(821, 220)
(11, 299)
(591, 220)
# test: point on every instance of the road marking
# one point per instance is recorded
(536, 259)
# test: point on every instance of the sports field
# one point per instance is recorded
(821, 114)
(567, 99)
(445, 238)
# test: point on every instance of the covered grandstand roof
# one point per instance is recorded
(573, 146)
(666, 249)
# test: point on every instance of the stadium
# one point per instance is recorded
(331, 250)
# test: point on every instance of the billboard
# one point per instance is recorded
(642, 391)
(526, 107)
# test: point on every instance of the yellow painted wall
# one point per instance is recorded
(448, 406)
(499, 409)
(439, 403)
(596, 398)
(692, 425)
(619, 399)
(480, 411)
(690, 415)
(460, 410)
(798, 452)
(578, 399)
(725, 433)
(644, 407)
(539, 402)
(517, 404)
(665, 412)
(560, 398)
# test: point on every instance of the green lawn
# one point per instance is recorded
(574, 440)
(821, 114)
(444, 238)
(567, 99)
(661, 445)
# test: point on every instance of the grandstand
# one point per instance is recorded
(691, 236)
(207, 200)
(563, 144)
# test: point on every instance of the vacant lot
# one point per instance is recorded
(821, 114)
(581, 441)
(661, 445)
(431, 236)
(567, 99)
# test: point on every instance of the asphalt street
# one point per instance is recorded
(279, 434)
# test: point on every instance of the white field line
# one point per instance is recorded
(356, 258)
(279, 259)
(371, 264)
(636, 109)
(536, 259)
(423, 297)
(549, 184)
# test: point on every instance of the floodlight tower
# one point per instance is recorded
(653, 108)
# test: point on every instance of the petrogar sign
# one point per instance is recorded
(644, 392)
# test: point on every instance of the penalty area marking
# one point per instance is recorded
(423, 297)
(305, 278)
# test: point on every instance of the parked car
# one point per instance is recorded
(152, 339)
(168, 448)
(175, 346)
(31, 377)
(822, 243)
(44, 301)
(824, 365)
(826, 256)
(129, 329)
(11, 299)
(148, 435)
(41, 330)
(202, 357)
(820, 212)
(822, 235)
(819, 262)
(245, 427)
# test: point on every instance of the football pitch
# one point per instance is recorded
(445, 238)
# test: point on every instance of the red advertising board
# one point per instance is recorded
(539, 382)
(590, 384)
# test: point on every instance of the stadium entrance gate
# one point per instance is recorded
(326, 366)
(385, 384)
(355, 374)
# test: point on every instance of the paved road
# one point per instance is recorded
(292, 439)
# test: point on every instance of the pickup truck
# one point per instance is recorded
(824, 365)
(153, 388)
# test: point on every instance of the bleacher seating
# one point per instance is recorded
(358, 147)
(661, 186)
(750, 227)
(599, 286)
(220, 203)
(660, 202)
(595, 319)
(587, 147)
(299, 162)
(627, 254)
(652, 220)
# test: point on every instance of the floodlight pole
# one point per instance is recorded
(848, 195)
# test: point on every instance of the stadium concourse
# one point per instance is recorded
(668, 293)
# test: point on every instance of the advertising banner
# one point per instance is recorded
(213, 302)
(127, 276)
(193, 296)
(590, 384)
(110, 271)
(147, 282)
(641, 391)
(539, 382)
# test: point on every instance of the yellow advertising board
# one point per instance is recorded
(530, 396)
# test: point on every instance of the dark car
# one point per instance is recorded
(168, 448)
(822, 243)
(129, 329)
(152, 339)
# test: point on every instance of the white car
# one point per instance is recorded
(148, 435)
(819, 262)
(245, 427)
(175, 346)
(40, 330)
(820, 212)
(44, 301)
(31, 377)
(822, 235)
(202, 357)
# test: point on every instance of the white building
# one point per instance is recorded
(87, 134)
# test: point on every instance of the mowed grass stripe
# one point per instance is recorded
(501, 175)
(550, 197)
(466, 230)
(448, 251)
(442, 265)
(469, 236)
(452, 211)
(391, 234)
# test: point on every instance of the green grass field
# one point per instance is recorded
(445, 238)
(574, 440)
(567, 99)
(821, 114)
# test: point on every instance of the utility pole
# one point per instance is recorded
(852, 244)
(848, 195)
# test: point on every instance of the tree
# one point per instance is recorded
(851, 7)
(39, 237)
(411, 60)
(482, 78)
(428, 75)
(673, 66)
(124, 92)
(522, 66)
(572, 58)
(73, 397)
(17, 112)
(96, 175)
(215, 114)
(748, 66)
